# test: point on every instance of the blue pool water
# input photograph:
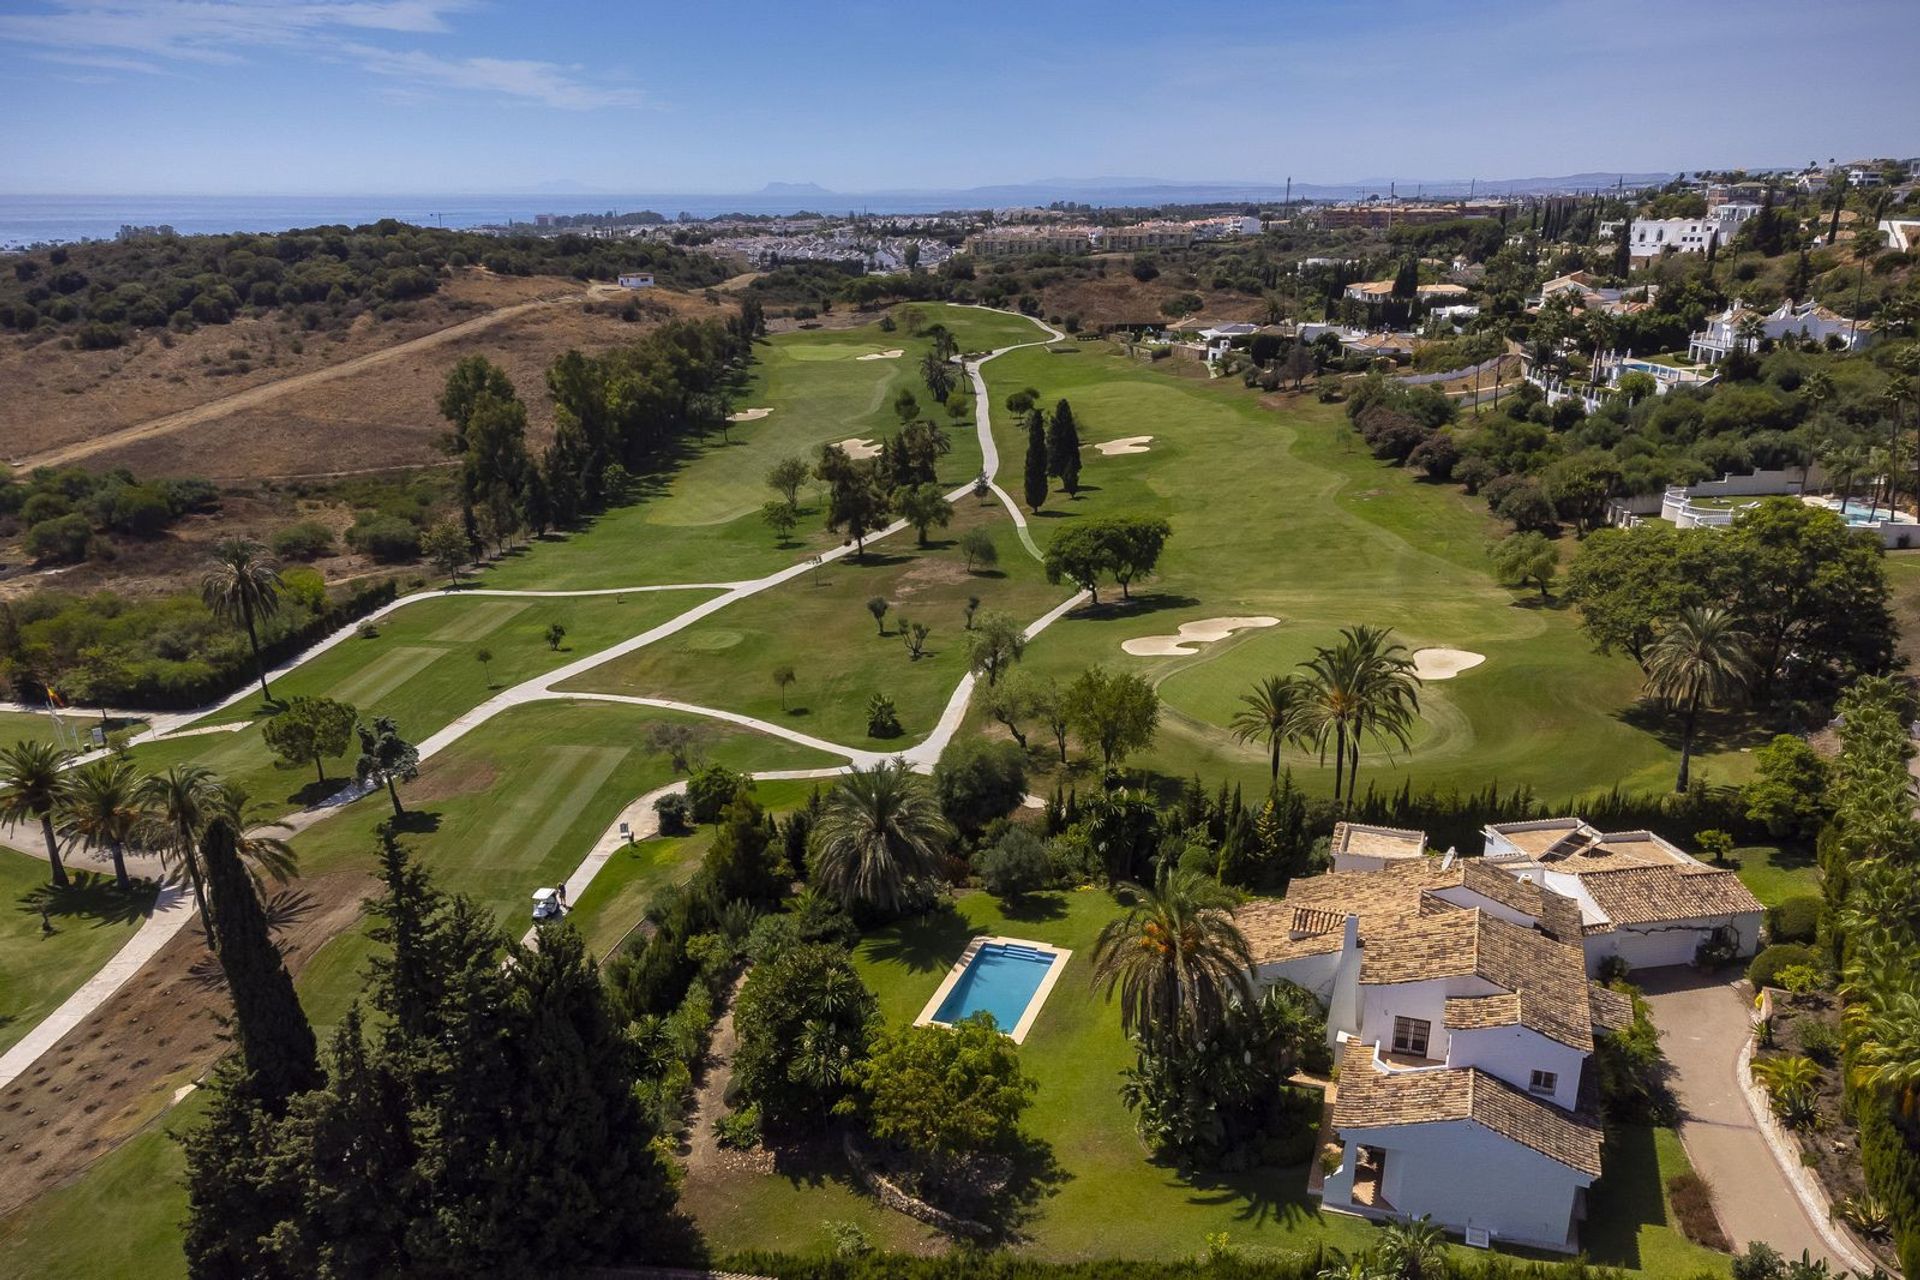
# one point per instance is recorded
(1000, 980)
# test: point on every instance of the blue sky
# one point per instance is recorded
(371, 96)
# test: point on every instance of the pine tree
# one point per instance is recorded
(276, 1043)
(1036, 476)
(234, 1205)
(1063, 449)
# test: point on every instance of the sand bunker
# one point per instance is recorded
(857, 448)
(1131, 444)
(748, 415)
(894, 354)
(1444, 664)
(1191, 634)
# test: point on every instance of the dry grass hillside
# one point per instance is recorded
(259, 398)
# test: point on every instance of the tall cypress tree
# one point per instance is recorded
(276, 1042)
(1063, 448)
(1036, 477)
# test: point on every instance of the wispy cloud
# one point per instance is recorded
(144, 35)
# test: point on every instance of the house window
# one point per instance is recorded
(1544, 1082)
(1410, 1035)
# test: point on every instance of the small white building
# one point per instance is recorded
(1458, 998)
(1641, 898)
(1359, 847)
(1651, 237)
(636, 279)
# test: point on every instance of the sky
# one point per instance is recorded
(243, 97)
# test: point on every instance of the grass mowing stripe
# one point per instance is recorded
(587, 768)
(483, 619)
(385, 674)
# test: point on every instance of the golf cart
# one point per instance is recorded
(549, 904)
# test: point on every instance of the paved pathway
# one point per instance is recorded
(1704, 1024)
(163, 924)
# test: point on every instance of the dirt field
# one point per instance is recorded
(119, 1071)
(1117, 298)
(239, 402)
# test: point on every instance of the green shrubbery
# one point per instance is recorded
(1795, 919)
(1765, 968)
(65, 512)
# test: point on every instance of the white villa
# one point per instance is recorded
(1458, 999)
(1651, 237)
(1640, 897)
(1807, 321)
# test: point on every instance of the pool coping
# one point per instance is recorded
(1060, 956)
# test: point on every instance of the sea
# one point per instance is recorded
(31, 220)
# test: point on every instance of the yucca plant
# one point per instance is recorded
(1793, 1083)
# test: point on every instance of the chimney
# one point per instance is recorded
(1343, 1006)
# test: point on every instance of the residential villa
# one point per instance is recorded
(1584, 291)
(1903, 234)
(1650, 237)
(1379, 292)
(1359, 847)
(1144, 235)
(1459, 1005)
(1010, 242)
(1641, 898)
(1806, 321)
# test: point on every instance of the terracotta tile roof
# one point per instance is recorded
(1372, 1099)
(1378, 842)
(1612, 1010)
(1384, 900)
(1646, 894)
(1473, 1013)
(1547, 980)
(1558, 914)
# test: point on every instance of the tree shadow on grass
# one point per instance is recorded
(314, 792)
(925, 943)
(1034, 908)
(1260, 1196)
(1717, 730)
(92, 897)
(1139, 606)
(1626, 1198)
(415, 822)
(1034, 1178)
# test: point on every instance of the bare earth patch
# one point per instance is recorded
(748, 415)
(1205, 631)
(894, 354)
(1444, 664)
(1127, 444)
(434, 785)
(856, 448)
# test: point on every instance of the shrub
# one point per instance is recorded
(740, 1129)
(1017, 863)
(673, 810)
(62, 540)
(1693, 1206)
(1765, 969)
(308, 540)
(711, 790)
(1795, 919)
(1819, 1040)
(388, 539)
(883, 721)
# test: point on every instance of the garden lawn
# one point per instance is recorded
(512, 807)
(819, 624)
(1630, 1223)
(700, 520)
(1773, 873)
(1282, 512)
(91, 920)
(421, 670)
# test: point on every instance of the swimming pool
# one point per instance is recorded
(1006, 978)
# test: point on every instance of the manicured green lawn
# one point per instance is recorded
(701, 522)
(1630, 1223)
(421, 670)
(18, 726)
(91, 919)
(819, 623)
(1774, 873)
(1284, 513)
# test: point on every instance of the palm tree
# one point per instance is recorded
(102, 810)
(31, 789)
(1703, 658)
(1274, 713)
(261, 852)
(881, 831)
(1177, 958)
(243, 585)
(1845, 462)
(1363, 687)
(178, 804)
(1414, 1250)
(1885, 1028)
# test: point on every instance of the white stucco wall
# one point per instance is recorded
(1513, 1054)
(1467, 1176)
(1315, 973)
(1653, 946)
(1381, 1003)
